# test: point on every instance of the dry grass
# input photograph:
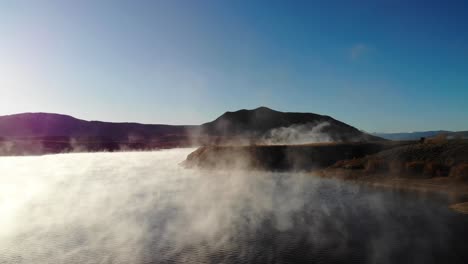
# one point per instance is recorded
(460, 172)
(354, 164)
(436, 169)
(415, 167)
(376, 165)
(460, 207)
(396, 167)
(339, 164)
(439, 139)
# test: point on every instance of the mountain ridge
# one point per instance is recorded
(258, 121)
(51, 133)
(419, 134)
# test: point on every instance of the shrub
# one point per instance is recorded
(415, 167)
(376, 165)
(354, 164)
(435, 169)
(338, 164)
(441, 138)
(396, 166)
(460, 172)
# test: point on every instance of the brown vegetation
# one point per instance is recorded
(415, 167)
(436, 169)
(376, 165)
(396, 167)
(460, 207)
(428, 160)
(441, 138)
(460, 172)
(355, 164)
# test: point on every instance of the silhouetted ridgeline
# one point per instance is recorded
(45, 125)
(41, 133)
(425, 134)
(261, 124)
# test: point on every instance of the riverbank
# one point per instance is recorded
(455, 190)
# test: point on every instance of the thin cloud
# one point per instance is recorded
(358, 50)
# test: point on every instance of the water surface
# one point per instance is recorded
(142, 207)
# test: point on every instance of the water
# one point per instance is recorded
(141, 207)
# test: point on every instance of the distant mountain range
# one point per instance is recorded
(33, 125)
(37, 133)
(418, 135)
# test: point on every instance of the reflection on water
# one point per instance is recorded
(144, 208)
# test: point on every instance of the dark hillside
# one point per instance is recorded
(256, 123)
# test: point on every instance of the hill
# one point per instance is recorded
(269, 126)
(42, 133)
(56, 125)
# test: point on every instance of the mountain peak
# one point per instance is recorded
(37, 115)
(263, 109)
(262, 120)
(255, 110)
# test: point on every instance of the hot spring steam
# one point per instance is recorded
(142, 207)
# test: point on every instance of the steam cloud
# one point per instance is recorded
(141, 207)
(298, 134)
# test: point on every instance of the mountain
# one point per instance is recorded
(418, 135)
(56, 125)
(458, 134)
(410, 135)
(41, 133)
(38, 133)
(263, 122)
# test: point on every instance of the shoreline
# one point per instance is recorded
(436, 184)
(456, 192)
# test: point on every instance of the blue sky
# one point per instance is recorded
(378, 65)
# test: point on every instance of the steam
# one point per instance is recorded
(298, 134)
(141, 207)
(5, 146)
